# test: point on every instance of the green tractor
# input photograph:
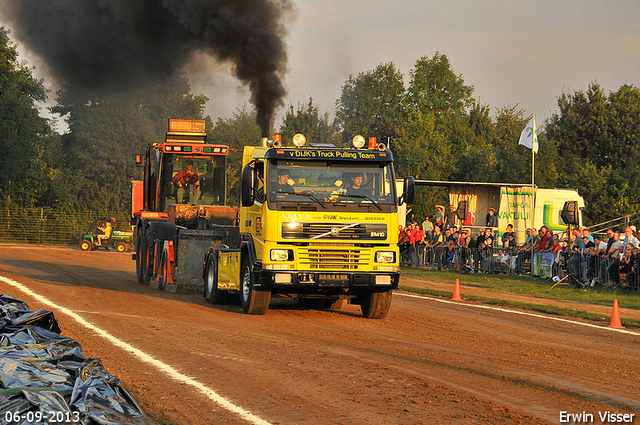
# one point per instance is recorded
(119, 240)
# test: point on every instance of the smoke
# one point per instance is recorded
(120, 44)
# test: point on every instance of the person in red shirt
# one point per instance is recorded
(470, 220)
(404, 244)
(544, 237)
(186, 180)
(419, 244)
(412, 244)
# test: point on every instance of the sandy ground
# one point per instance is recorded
(428, 362)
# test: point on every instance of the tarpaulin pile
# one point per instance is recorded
(45, 378)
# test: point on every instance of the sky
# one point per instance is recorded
(513, 52)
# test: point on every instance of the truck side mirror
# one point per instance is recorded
(408, 190)
(138, 160)
(247, 186)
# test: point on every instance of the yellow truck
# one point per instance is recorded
(317, 223)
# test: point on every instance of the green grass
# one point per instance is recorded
(534, 287)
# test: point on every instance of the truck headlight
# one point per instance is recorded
(385, 257)
(280, 255)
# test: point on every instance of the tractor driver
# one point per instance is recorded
(187, 180)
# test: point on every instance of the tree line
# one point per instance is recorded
(434, 126)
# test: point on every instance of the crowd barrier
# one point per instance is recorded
(577, 269)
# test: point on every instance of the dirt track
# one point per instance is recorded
(428, 362)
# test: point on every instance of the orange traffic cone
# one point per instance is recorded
(615, 317)
(456, 291)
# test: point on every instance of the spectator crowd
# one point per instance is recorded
(584, 259)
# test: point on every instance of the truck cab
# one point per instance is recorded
(317, 223)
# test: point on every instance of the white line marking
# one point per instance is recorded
(163, 367)
(523, 313)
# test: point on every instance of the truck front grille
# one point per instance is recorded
(334, 231)
(315, 258)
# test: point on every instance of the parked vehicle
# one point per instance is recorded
(555, 208)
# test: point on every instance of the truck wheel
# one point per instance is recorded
(147, 262)
(121, 247)
(86, 245)
(334, 305)
(375, 305)
(162, 272)
(253, 301)
(139, 254)
(211, 291)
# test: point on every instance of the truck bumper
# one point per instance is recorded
(326, 282)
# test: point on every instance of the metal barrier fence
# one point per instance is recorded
(587, 270)
(48, 227)
(577, 269)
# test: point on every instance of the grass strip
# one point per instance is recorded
(535, 287)
(540, 308)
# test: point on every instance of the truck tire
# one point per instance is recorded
(211, 291)
(253, 301)
(155, 281)
(121, 247)
(162, 272)
(139, 255)
(148, 260)
(375, 305)
(86, 245)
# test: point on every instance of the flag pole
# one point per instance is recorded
(533, 196)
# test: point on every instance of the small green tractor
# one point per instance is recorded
(119, 240)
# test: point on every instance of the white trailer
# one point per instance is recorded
(555, 208)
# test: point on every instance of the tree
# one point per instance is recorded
(596, 138)
(435, 87)
(307, 120)
(371, 104)
(421, 151)
(30, 149)
(478, 160)
(106, 131)
(236, 132)
(582, 126)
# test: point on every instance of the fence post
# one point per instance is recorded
(41, 223)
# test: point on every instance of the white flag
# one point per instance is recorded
(529, 136)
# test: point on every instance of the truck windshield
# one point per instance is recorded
(195, 180)
(331, 185)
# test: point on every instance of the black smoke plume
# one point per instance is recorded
(119, 44)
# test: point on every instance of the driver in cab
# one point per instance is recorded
(186, 179)
(355, 187)
(282, 184)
